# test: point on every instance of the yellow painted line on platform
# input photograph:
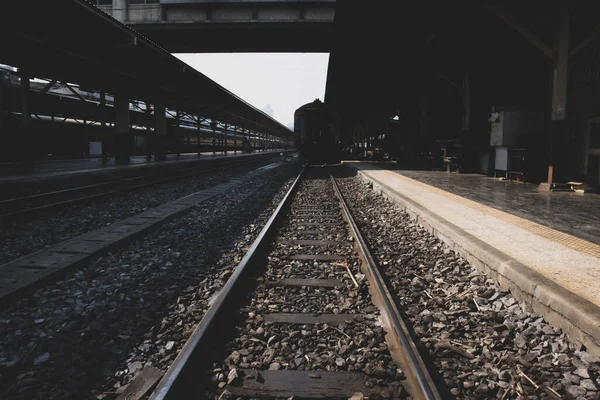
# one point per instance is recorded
(560, 237)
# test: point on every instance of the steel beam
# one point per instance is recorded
(526, 33)
(74, 92)
(584, 43)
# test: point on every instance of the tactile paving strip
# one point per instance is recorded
(559, 237)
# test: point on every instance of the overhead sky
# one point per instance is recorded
(276, 83)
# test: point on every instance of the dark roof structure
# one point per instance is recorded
(73, 41)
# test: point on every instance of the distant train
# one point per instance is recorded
(315, 134)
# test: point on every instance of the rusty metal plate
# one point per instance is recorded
(314, 242)
(317, 257)
(325, 283)
(304, 384)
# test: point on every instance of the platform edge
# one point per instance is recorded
(576, 316)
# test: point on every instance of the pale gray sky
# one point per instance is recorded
(276, 83)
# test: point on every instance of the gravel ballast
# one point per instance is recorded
(55, 226)
(90, 334)
(357, 345)
(481, 341)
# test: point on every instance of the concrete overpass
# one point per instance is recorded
(210, 26)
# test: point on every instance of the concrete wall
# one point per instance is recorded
(279, 13)
(230, 14)
(152, 13)
(184, 15)
(144, 13)
(319, 14)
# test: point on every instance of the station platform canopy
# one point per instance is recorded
(73, 41)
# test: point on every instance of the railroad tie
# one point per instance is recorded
(299, 282)
(313, 242)
(311, 318)
(315, 257)
(303, 384)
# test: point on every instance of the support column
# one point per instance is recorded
(120, 10)
(149, 134)
(363, 141)
(105, 133)
(235, 140)
(225, 133)
(103, 109)
(2, 112)
(160, 130)
(25, 143)
(468, 156)
(25, 86)
(123, 138)
(198, 134)
(213, 126)
(559, 85)
(178, 135)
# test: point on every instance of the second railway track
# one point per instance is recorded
(305, 314)
(23, 207)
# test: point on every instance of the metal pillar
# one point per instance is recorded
(160, 131)
(225, 139)
(468, 163)
(559, 82)
(149, 134)
(213, 126)
(178, 135)
(123, 138)
(235, 139)
(2, 111)
(120, 10)
(26, 115)
(467, 103)
(198, 134)
(24, 140)
(103, 109)
(103, 118)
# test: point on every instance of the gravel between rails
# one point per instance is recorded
(484, 344)
(88, 335)
(357, 346)
(55, 226)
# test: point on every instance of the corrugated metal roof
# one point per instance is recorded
(72, 40)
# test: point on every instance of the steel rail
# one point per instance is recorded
(423, 382)
(167, 386)
(195, 171)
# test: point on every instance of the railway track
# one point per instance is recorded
(30, 205)
(306, 313)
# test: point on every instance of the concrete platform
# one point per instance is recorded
(34, 270)
(528, 250)
(50, 169)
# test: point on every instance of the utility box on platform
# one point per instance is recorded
(507, 127)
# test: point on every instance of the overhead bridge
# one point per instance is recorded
(209, 26)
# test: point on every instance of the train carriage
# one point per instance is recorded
(315, 134)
